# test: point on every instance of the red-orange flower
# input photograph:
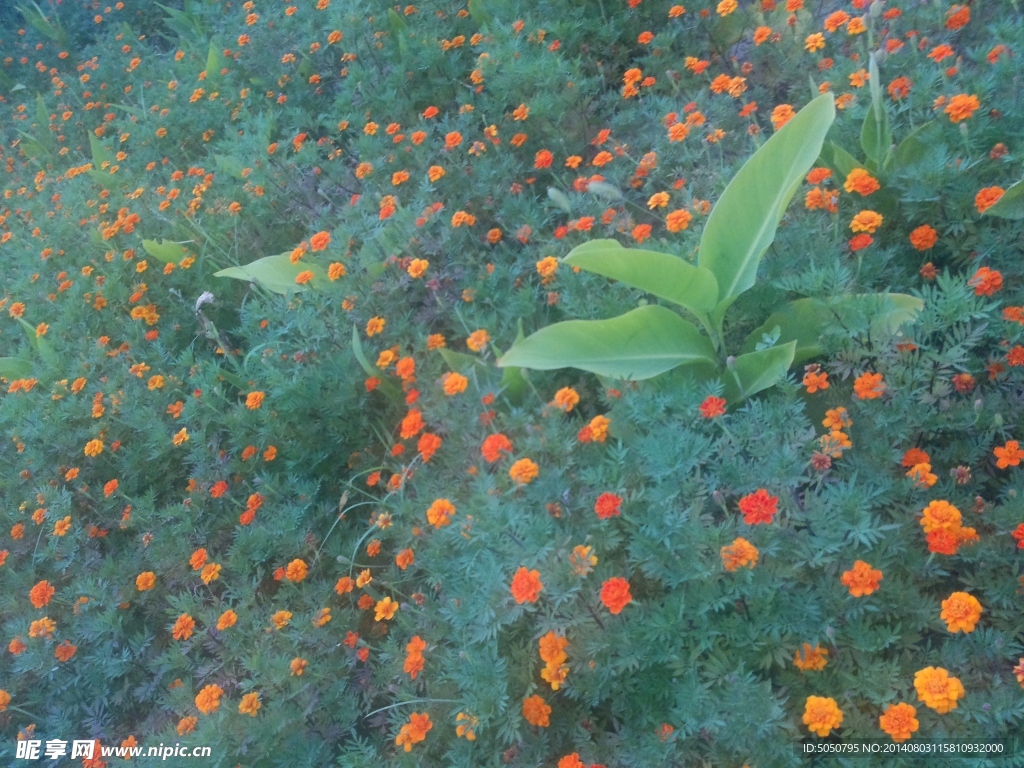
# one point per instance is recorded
(526, 585)
(759, 507)
(608, 505)
(862, 579)
(493, 446)
(615, 594)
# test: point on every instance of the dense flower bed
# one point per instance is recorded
(296, 512)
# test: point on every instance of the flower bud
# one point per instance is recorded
(997, 421)
(875, 9)
(730, 363)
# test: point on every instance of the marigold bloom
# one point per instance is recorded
(815, 380)
(866, 221)
(940, 515)
(414, 657)
(41, 594)
(454, 383)
(526, 585)
(254, 400)
(808, 659)
(862, 579)
(44, 627)
(93, 448)
(145, 581)
(566, 399)
(523, 471)
(822, 715)
(712, 407)
(226, 620)
(861, 182)
(986, 281)
(607, 505)
(477, 340)
(209, 699)
(412, 424)
(183, 627)
(868, 386)
(417, 268)
(923, 238)
(961, 107)
(615, 594)
(741, 553)
(281, 619)
(937, 689)
(899, 721)
(987, 197)
(250, 704)
(781, 115)
(759, 507)
(385, 609)
(961, 612)
(536, 711)
(414, 731)
(678, 220)
(375, 325)
(1008, 455)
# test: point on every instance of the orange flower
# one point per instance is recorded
(493, 446)
(281, 618)
(452, 140)
(536, 711)
(211, 572)
(987, 197)
(385, 609)
(440, 513)
(226, 620)
(961, 107)
(523, 472)
(145, 581)
(414, 731)
(607, 505)
(815, 380)
(209, 699)
(566, 399)
(899, 721)
(937, 689)
(428, 445)
(940, 516)
(93, 448)
(862, 579)
(986, 281)
(615, 594)
(254, 400)
(320, 241)
(298, 666)
(822, 715)
(712, 407)
(923, 238)
(1008, 455)
(345, 585)
(183, 627)
(412, 424)
(741, 553)
(405, 558)
(414, 657)
(781, 115)
(961, 612)
(526, 586)
(185, 725)
(759, 507)
(296, 570)
(454, 383)
(41, 594)
(809, 659)
(866, 221)
(861, 182)
(868, 386)
(250, 704)
(477, 340)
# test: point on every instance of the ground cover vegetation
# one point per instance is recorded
(300, 461)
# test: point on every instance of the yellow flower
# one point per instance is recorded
(822, 715)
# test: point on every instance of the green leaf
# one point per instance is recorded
(875, 134)
(214, 62)
(916, 146)
(757, 371)
(233, 379)
(479, 14)
(15, 368)
(100, 154)
(667, 277)
(228, 166)
(276, 273)
(460, 361)
(1011, 204)
(637, 345)
(45, 349)
(166, 251)
(743, 222)
(843, 162)
(804, 321)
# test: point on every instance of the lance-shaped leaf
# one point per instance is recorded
(15, 368)
(1011, 204)
(757, 371)
(875, 134)
(276, 273)
(667, 277)
(637, 345)
(743, 223)
(916, 146)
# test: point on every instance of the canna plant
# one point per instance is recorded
(653, 338)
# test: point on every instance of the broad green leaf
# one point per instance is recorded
(460, 361)
(276, 273)
(166, 251)
(843, 162)
(875, 134)
(15, 368)
(1011, 204)
(233, 379)
(667, 277)
(513, 379)
(805, 320)
(637, 345)
(559, 198)
(100, 154)
(743, 222)
(727, 31)
(214, 62)
(915, 147)
(757, 371)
